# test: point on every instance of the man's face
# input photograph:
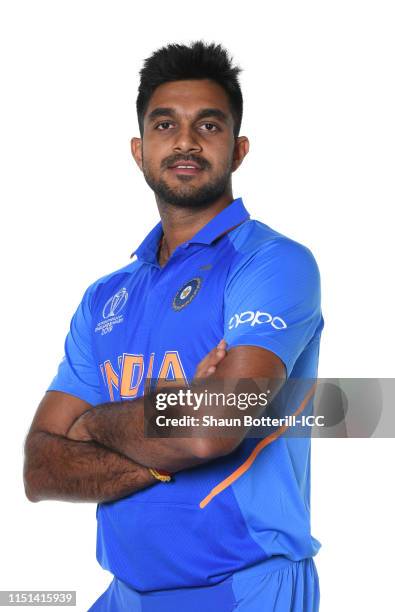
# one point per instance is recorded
(187, 123)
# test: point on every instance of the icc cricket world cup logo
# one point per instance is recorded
(115, 304)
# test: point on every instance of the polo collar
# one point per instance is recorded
(234, 214)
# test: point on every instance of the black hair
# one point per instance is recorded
(199, 60)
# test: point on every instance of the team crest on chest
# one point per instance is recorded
(187, 293)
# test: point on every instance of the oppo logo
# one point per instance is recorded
(256, 318)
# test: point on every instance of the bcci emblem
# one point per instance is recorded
(115, 303)
(187, 293)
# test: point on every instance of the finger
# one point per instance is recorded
(218, 356)
(205, 373)
(213, 358)
(209, 368)
(210, 358)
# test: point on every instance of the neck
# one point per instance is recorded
(181, 224)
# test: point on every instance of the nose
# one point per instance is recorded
(186, 140)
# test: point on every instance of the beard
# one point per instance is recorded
(187, 195)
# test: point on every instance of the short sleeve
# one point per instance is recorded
(77, 372)
(273, 300)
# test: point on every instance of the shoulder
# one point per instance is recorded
(260, 248)
(110, 283)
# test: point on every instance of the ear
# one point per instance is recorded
(136, 145)
(241, 148)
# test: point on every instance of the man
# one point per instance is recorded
(198, 523)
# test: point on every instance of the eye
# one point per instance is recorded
(163, 123)
(210, 127)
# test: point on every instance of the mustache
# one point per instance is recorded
(171, 161)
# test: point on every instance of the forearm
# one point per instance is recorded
(67, 470)
(120, 426)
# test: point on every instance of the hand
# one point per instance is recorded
(78, 431)
(209, 363)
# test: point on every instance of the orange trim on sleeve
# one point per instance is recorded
(250, 460)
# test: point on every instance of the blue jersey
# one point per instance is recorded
(236, 279)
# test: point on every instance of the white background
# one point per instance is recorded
(318, 85)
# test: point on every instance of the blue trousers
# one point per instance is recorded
(276, 585)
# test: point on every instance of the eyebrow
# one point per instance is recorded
(162, 111)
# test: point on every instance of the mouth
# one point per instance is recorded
(188, 168)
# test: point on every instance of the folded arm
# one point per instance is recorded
(120, 425)
(59, 468)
